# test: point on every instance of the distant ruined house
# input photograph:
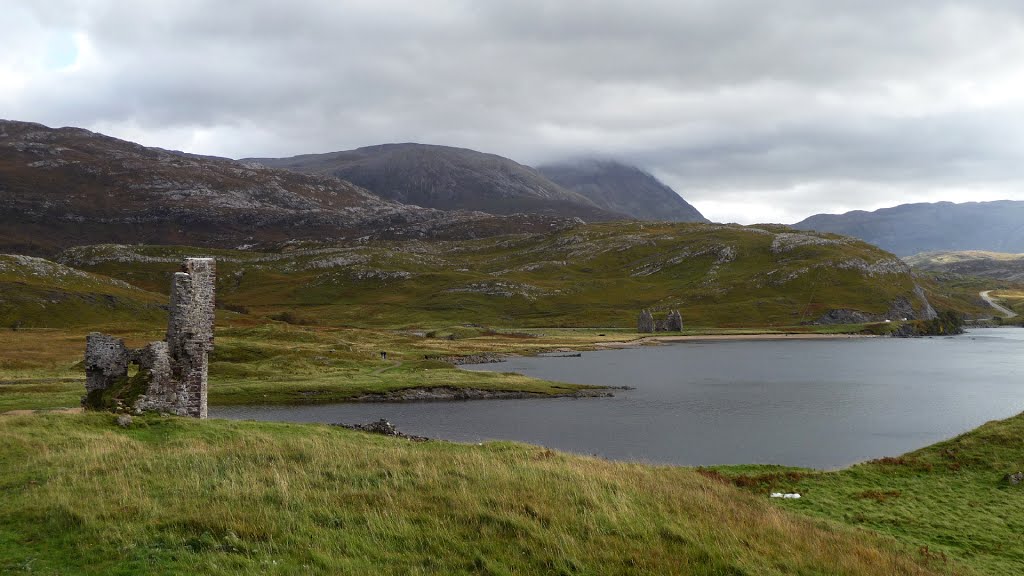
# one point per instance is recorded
(673, 322)
(172, 374)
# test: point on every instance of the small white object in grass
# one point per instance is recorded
(781, 495)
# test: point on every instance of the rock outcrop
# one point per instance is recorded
(172, 374)
(900, 308)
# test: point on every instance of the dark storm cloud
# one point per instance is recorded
(753, 110)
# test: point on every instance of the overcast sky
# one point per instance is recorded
(753, 110)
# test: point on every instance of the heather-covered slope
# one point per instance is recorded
(448, 179)
(68, 186)
(622, 188)
(593, 275)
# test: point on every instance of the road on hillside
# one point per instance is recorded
(1006, 312)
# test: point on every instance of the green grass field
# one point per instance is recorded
(948, 500)
(172, 496)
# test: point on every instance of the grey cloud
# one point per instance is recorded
(741, 104)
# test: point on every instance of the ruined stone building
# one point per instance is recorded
(673, 322)
(172, 374)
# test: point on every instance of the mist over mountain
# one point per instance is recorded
(622, 188)
(448, 178)
(908, 229)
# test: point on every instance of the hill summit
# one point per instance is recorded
(448, 178)
(62, 187)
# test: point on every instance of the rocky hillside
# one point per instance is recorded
(37, 293)
(594, 275)
(622, 188)
(448, 179)
(68, 186)
(997, 265)
(913, 228)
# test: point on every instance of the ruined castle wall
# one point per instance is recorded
(176, 369)
(106, 360)
(164, 393)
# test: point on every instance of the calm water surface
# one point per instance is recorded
(820, 403)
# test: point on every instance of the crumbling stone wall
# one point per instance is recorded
(106, 360)
(172, 374)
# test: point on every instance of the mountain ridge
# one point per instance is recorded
(61, 187)
(447, 178)
(909, 229)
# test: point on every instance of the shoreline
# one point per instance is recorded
(730, 337)
(453, 394)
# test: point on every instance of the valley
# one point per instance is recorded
(337, 302)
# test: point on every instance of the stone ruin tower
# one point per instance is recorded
(172, 374)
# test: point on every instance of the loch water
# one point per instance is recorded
(815, 403)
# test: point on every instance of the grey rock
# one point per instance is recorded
(845, 316)
(382, 427)
(1014, 479)
(124, 420)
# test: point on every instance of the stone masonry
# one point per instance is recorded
(173, 372)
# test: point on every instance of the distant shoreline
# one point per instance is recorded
(719, 337)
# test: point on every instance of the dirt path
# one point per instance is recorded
(54, 411)
(1006, 312)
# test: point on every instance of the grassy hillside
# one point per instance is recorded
(596, 275)
(995, 265)
(961, 293)
(949, 500)
(170, 496)
(1012, 298)
(37, 293)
